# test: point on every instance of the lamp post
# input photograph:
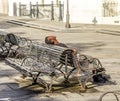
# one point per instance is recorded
(67, 16)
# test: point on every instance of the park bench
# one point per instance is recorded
(51, 64)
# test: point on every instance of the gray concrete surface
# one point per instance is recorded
(104, 46)
(59, 26)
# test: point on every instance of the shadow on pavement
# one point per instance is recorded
(84, 46)
(8, 72)
(12, 92)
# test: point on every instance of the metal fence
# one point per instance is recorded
(110, 9)
(47, 11)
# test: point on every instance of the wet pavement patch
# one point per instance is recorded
(4, 87)
(9, 72)
(12, 92)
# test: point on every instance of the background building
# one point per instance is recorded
(80, 11)
(111, 12)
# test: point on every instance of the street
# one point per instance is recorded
(105, 47)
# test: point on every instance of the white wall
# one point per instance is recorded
(84, 11)
(4, 6)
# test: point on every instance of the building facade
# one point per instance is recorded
(111, 12)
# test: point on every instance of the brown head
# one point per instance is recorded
(51, 40)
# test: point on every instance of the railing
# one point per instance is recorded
(49, 11)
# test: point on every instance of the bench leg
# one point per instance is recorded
(49, 87)
(35, 78)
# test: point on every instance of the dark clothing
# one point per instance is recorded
(61, 44)
(69, 54)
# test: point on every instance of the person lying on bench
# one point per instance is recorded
(54, 41)
(69, 51)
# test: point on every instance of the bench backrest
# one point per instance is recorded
(56, 53)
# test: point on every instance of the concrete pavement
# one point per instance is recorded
(100, 45)
(58, 26)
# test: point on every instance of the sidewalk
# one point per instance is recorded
(58, 26)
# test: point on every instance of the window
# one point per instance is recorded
(110, 9)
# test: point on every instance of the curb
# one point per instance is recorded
(27, 24)
(51, 28)
(111, 32)
(63, 30)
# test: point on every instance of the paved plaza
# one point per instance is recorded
(100, 41)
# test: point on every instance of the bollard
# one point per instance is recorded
(37, 10)
(60, 11)
(19, 8)
(14, 9)
(30, 10)
(52, 11)
(94, 21)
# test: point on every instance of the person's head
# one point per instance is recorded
(51, 40)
